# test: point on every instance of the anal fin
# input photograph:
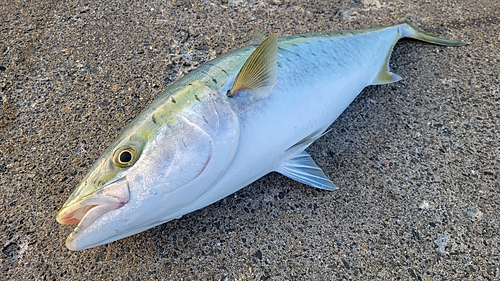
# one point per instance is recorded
(302, 168)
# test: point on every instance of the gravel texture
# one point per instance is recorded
(417, 161)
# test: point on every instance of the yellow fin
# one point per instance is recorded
(419, 34)
(258, 73)
(385, 76)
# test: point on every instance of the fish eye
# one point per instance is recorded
(125, 156)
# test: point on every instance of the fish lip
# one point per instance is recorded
(85, 210)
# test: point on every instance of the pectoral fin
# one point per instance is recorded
(258, 74)
(302, 168)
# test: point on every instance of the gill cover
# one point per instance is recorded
(186, 146)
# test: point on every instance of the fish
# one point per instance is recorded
(228, 123)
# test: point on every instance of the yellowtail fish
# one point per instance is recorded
(228, 123)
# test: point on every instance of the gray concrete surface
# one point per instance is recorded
(417, 161)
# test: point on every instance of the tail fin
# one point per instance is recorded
(413, 31)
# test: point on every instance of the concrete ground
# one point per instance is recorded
(417, 161)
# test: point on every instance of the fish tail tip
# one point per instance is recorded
(415, 32)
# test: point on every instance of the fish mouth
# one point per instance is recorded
(85, 210)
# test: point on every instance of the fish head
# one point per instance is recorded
(166, 159)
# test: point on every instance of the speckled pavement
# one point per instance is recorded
(417, 161)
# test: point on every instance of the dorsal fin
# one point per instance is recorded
(258, 74)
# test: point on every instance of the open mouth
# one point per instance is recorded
(75, 216)
(87, 209)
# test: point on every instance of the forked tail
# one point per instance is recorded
(406, 28)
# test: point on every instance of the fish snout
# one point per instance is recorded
(88, 208)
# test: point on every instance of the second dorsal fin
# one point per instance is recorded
(258, 73)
